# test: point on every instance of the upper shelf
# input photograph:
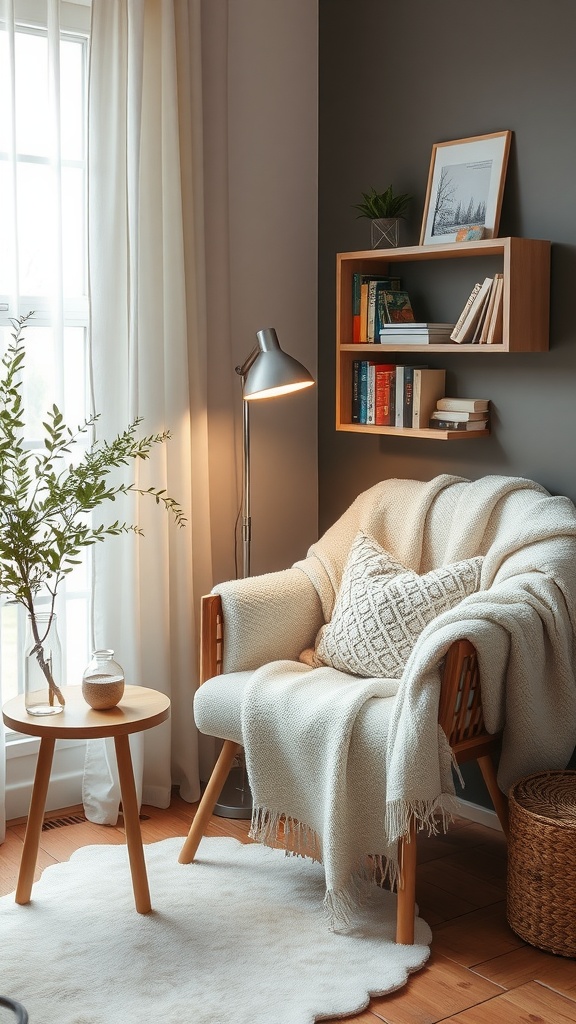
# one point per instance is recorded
(524, 263)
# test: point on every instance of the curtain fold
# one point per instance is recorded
(149, 356)
(14, 219)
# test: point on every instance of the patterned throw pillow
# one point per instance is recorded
(382, 608)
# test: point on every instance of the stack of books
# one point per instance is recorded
(411, 333)
(369, 305)
(461, 414)
(480, 322)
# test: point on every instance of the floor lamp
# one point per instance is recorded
(268, 372)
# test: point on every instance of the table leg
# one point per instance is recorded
(35, 820)
(132, 823)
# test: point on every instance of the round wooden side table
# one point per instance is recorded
(139, 709)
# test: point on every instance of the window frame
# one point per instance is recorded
(31, 17)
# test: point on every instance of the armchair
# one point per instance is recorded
(473, 678)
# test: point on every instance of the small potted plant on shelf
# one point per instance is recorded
(46, 503)
(385, 211)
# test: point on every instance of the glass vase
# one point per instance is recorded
(42, 665)
(103, 681)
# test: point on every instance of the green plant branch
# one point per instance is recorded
(44, 509)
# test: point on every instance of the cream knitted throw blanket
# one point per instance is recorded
(307, 731)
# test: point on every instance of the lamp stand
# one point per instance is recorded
(235, 800)
(267, 372)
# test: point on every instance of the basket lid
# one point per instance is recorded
(550, 795)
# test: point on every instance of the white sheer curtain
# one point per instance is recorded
(148, 341)
(34, 207)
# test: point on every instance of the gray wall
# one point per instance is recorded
(395, 79)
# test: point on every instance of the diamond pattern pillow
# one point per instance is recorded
(382, 607)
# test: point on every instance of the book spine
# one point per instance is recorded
(408, 396)
(465, 311)
(371, 315)
(356, 281)
(363, 391)
(458, 424)
(370, 406)
(355, 412)
(399, 391)
(462, 404)
(380, 312)
(363, 313)
(384, 376)
(416, 398)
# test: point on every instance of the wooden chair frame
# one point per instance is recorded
(459, 715)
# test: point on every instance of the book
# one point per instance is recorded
(411, 325)
(370, 403)
(385, 375)
(475, 336)
(466, 331)
(376, 310)
(380, 310)
(456, 414)
(355, 409)
(457, 425)
(363, 391)
(483, 334)
(409, 334)
(465, 310)
(399, 397)
(404, 395)
(494, 334)
(357, 281)
(408, 402)
(463, 404)
(429, 385)
(398, 306)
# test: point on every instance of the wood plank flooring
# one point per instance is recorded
(479, 971)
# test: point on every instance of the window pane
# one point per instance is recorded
(9, 648)
(32, 110)
(5, 120)
(77, 639)
(75, 376)
(71, 100)
(73, 235)
(37, 229)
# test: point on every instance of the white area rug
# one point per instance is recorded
(238, 937)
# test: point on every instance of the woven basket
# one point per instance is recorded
(541, 896)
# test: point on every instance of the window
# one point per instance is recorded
(43, 263)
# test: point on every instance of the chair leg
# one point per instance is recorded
(406, 907)
(497, 796)
(208, 801)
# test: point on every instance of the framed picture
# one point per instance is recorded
(465, 187)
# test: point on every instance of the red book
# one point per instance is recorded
(384, 375)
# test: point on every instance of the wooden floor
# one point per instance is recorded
(479, 972)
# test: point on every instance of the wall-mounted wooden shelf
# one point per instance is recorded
(525, 266)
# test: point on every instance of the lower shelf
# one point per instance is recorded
(434, 435)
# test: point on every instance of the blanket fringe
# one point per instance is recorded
(293, 836)
(434, 815)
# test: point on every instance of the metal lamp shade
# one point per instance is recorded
(273, 372)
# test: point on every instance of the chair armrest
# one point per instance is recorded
(268, 618)
(460, 710)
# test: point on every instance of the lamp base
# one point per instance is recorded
(235, 800)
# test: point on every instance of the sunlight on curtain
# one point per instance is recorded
(42, 262)
(149, 359)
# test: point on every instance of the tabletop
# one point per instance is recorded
(140, 708)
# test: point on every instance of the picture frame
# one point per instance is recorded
(465, 188)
